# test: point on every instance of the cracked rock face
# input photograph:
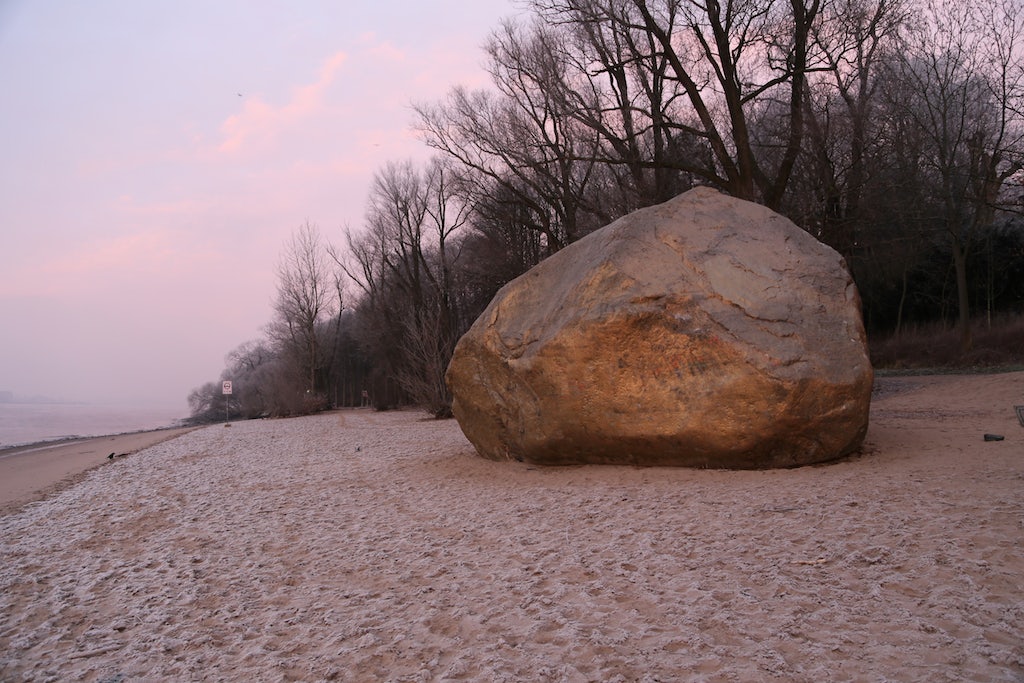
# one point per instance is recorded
(703, 332)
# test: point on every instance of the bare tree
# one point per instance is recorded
(726, 60)
(249, 367)
(306, 296)
(206, 403)
(957, 106)
(631, 101)
(855, 41)
(403, 264)
(522, 142)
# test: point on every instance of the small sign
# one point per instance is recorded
(226, 387)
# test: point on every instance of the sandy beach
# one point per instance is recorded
(360, 546)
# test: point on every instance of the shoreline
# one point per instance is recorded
(32, 472)
(364, 545)
(43, 444)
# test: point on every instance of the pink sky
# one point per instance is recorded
(157, 155)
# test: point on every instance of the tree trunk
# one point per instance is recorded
(903, 300)
(963, 300)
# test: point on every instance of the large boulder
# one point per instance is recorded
(703, 332)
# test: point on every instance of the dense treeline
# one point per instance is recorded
(892, 130)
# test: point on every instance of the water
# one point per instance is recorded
(24, 423)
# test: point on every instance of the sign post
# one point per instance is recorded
(225, 388)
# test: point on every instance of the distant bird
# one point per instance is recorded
(110, 457)
(239, 94)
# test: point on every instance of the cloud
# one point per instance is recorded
(261, 122)
(386, 51)
(126, 253)
(106, 264)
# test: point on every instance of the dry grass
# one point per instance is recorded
(937, 347)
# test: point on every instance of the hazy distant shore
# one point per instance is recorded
(359, 545)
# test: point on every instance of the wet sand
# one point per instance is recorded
(358, 546)
(34, 471)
